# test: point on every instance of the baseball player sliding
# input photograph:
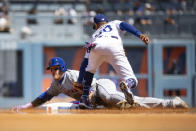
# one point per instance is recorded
(108, 47)
(110, 95)
(102, 92)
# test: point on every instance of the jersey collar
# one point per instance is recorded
(61, 80)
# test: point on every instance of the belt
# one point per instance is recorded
(112, 36)
(115, 37)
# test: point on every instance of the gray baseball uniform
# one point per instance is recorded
(105, 90)
(66, 86)
(110, 95)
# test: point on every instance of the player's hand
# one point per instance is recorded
(78, 86)
(92, 97)
(89, 46)
(22, 107)
(17, 108)
(145, 39)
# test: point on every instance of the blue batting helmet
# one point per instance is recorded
(100, 18)
(57, 61)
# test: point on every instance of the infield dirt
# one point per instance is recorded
(99, 120)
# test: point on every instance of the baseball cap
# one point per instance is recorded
(100, 18)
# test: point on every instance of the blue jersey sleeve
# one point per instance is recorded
(127, 27)
(45, 96)
(41, 99)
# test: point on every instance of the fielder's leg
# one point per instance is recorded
(95, 59)
(126, 87)
(125, 72)
(83, 67)
(84, 101)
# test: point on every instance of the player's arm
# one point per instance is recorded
(127, 27)
(45, 96)
(36, 102)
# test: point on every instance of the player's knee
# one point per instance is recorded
(136, 81)
(132, 83)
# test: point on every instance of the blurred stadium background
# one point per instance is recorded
(33, 31)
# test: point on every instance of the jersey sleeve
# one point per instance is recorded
(41, 99)
(117, 23)
(129, 28)
(54, 89)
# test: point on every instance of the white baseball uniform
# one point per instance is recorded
(109, 48)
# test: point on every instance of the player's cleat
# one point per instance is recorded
(178, 102)
(127, 92)
(126, 105)
(85, 103)
(123, 105)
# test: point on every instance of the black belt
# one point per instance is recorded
(114, 37)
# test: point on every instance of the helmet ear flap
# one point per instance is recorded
(62, 68)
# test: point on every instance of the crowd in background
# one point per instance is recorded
(144, 9)
(4, 21)
(135, 12)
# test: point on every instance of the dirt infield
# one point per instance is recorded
(99, 120)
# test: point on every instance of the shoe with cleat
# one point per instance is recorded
(85, 103)
(179, 103)
(127, 92)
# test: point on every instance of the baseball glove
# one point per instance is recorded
(89, 46)
(78, 86)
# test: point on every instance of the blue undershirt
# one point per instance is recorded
(127, 27)
(45, 96)
(41, 99)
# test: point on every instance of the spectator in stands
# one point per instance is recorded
(170, 24)
(32, 12)
(88, 17)
(60, 12)
(72, 14)
(136, 12)
(25, 32)
(147, 14)
(138, 8)
(143, 13)
(100, 10)
(130, 20)
(169, 20)
(183, 5)
(4, 22)
(170, 13)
